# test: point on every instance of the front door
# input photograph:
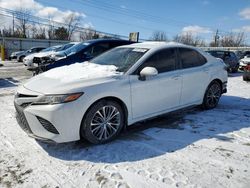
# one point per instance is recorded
(158, 93)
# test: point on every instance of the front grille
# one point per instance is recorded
(19, 95)
(37, 60)
(21, 117)
(47, 125)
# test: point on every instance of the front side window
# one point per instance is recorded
(191, 58)
(163, 61)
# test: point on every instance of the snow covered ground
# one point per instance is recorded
(192, 148)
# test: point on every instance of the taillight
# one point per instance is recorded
(247, 68)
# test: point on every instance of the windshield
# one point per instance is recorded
(122, 58)
(53, 48)
(76, 48)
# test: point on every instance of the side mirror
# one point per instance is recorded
(147, 72)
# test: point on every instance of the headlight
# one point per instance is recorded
(57, 57)
(57, 99)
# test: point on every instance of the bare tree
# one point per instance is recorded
(41, 33)
(89, 34)
(159, 36)
(61, 33)
(233, 40)
(72, 21)
(189, 39)
(33, 30)
(22, 17)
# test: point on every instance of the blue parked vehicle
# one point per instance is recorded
(81, 52)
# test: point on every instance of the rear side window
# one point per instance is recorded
(163, 61)
(97, 49)
(191, 58)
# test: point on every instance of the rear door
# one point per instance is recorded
(161, 92)
(195, 73)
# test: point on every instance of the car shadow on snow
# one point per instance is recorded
(165, 134)
(237, 74)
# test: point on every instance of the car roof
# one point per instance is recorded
(156, 44)
(38, 47)
(104, 40)
(219, 51)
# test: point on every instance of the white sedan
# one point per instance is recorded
(95, 100)
(28, 60)
(244, 62)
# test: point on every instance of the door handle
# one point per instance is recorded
(206, 70)
(175, 77)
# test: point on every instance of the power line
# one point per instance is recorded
(108, 19)
(139, 14)
(32, 19)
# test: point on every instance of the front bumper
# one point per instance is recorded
(13, 57)
(58, 123)
(243, 64)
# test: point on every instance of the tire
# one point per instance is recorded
(21, 59)
(97, 127)
(245, 78)
(212, 95)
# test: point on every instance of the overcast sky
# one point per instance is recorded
(201, 17)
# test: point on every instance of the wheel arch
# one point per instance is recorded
(108, 98)
(219, 81)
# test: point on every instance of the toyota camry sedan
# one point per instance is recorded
(95, 100)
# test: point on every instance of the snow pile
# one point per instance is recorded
(84, 70)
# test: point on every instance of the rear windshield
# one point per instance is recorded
(76, 48)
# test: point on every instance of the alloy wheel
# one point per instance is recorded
(213, 95)
(105, 122)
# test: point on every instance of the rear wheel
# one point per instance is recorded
(103, 122)
(245, 78)
(212, 95)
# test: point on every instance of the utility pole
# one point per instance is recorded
(13, 24)
(2, 50)
(216, 38)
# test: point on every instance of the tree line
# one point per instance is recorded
(228, 40)
(25, 25)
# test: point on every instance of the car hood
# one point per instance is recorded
(18, 52)
(44, 54)
(40, 54)
(72, 78)
(30, 57)
(247, 59)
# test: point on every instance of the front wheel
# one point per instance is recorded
(103, 122)
(212, 95)
(21, 59)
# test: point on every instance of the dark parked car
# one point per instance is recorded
(245, 53)
(22, 55)
(81, 52)
(228, 57)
